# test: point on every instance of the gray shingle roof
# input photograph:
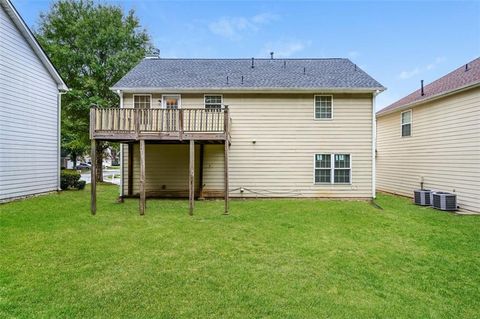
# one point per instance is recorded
(266, 74)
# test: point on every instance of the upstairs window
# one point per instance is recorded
(323, 107)
(333, 169)
(407, 123)
(142, 101)
(213, 102)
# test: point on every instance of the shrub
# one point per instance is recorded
(80, 185)
(70, 178)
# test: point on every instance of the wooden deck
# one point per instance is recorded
(128, 124)
(142, 126)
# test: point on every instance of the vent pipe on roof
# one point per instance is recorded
(227, 79)
(242, 79)
(304, 70)
(421, 84)
(284, 64)
(466, 67)
(253, 63)
(271, 55)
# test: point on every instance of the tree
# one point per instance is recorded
(92, 46)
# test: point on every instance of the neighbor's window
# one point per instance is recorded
(407, 123)
(323, 107)
(142, 101)
(213, 102)
(332, 168)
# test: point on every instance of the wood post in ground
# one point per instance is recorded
(191, 182)
(200, 173)
(130, 169)
(142, 177)
(93, 172)
(226, 176)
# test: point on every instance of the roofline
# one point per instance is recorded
(32, 41)
(244, 90)
(429, 99)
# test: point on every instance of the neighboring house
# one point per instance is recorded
(432, 136)
(295, 127)
(29, 111)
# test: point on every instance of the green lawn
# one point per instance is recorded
(268, 258)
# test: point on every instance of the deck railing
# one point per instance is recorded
(128, 121)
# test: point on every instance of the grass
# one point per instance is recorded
(268, 258)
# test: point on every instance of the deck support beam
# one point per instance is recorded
(142, 177)
(200, 172)
(130, 169)
(191, 181)
(226, 176)
(93, 172)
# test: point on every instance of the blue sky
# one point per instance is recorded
(398, 43)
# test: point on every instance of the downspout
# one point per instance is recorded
(374, 145)
(120, 95)
(59, 136)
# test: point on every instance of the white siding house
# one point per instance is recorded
(431, 138)
(29, 111)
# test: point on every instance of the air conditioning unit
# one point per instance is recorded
(422, 197)
(444, 201)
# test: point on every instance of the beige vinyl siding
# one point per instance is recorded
(286, 135)
(28, 118)
(444, 149)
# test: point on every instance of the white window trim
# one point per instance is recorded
(142, 95)
(411, 123)
(174, 94)
(332, 168)
(212, 94)
(314, 107)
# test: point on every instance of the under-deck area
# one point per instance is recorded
(177, 139)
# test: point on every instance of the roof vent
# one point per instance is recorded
(271, 55)
(153, 54)
(421, 84)
(253, 63)
(466, 67)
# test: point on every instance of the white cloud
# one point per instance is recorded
(232, 27)
(284, 48)
(407, 74)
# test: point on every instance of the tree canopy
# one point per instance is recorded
(92, 46)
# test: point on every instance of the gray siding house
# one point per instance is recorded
(30, 90)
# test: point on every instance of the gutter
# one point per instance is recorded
(246, 90)
(374, 145)
(429, 99)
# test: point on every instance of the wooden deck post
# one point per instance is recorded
(191, 182)
(93, 172)
(200, 173)
(130, 169)
(142, 177)
(226, 124)
(226, 176)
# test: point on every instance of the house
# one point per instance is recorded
(243, 128)
(30, 89)
(431, 139)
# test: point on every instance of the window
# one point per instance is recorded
(332, 169)
(171, 102)
(323, 107)
(213, 102)
(407, 123)
(142, 101)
